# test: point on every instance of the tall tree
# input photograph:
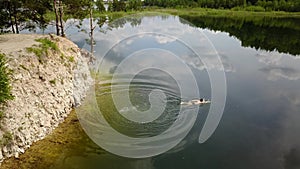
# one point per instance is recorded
(61, 14)
(55, 6)
(100, 6)
(92, 28)
(16, 12)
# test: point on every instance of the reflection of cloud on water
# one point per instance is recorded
(279, 66)
(212, 62)
(167, 28)
(164, 39)
(292, 159)
(228, 66)
(274, 130)
(276, 73)
(288, 143)
(269, 58)
(161, 26)
(294, 99)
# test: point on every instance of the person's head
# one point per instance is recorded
(201, 100)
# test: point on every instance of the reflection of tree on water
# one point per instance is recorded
(133, 21)
(281, 34)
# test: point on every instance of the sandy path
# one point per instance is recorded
(13, 42)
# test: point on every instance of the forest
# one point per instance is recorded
(14, 13)
(254, 5)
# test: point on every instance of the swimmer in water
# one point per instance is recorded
(196, 102)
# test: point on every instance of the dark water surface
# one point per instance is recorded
(261, 121)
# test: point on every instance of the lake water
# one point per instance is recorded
(260, 123)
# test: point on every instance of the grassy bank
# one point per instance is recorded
(226, 12)
(187, 11)
(205, 12)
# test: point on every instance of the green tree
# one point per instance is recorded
(15, 12)
(117, 5)
(282, 5)
(134, 5)
(77, 8)
(12, 9)
(100, 6)
(5, 18)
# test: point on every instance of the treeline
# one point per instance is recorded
(250, 5)
(14, 13)
(122, 5)
(260, 5)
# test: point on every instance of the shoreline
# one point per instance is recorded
(50, 77)
(209, 12)
(46, 152)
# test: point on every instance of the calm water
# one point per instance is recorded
(260, 125)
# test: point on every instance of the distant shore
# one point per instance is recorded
(203, 12)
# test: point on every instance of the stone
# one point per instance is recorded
(16, 155)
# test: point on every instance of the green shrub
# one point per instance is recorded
(37, 51)
(255, 8)
(1, 114)
(5, 87)
(237, 8)
(53, 82)
(71, 59)
(46, 43)
(6, 138)
(249, 8)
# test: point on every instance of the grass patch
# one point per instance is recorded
(240, 12)
(46, 43)
(43, 48)
(62, 57)
(71, 59)
(1, 114)
(37, 51)
(7, 138)
(5, 87)
(235, 12)
(53, 82)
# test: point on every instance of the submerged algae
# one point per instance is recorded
(52, 151)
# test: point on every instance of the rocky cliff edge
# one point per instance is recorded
(50, 76)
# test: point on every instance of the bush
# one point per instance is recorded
(254, 8)
(237, 8)
(7, 138)
(5, 87)
(1, 114)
